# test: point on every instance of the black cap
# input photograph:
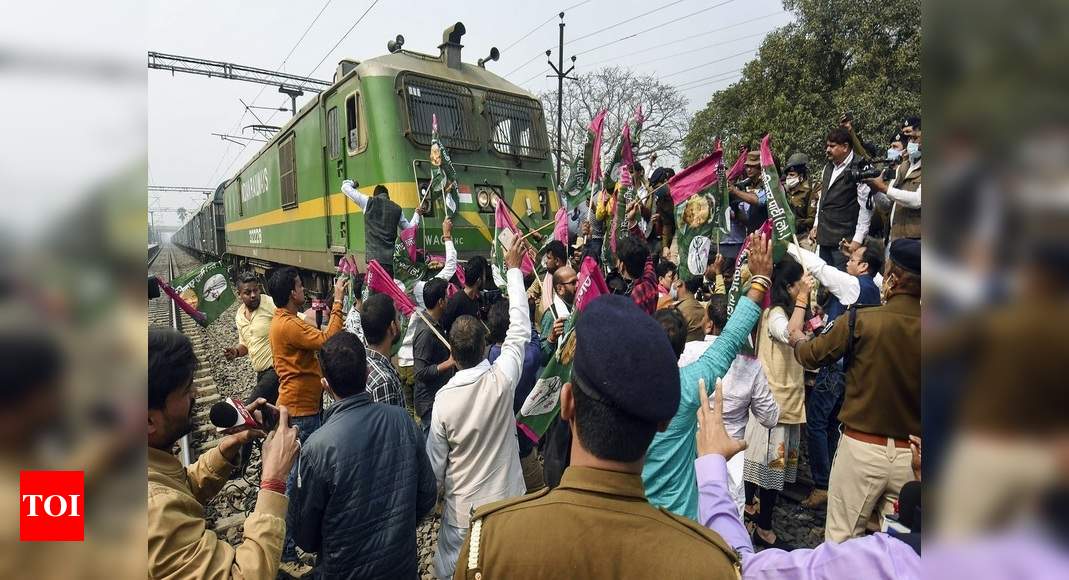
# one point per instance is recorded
(906, 252)
(624, 359)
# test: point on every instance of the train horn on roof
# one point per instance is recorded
(494, 55)
(451, 46)
(395, 44)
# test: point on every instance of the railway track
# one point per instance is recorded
(233, 504)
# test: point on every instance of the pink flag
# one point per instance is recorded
(503, 220)
(627, 156)
(596, 126)
(186, 307)
(694, 178)
(408, 238)
(589, 284)
(560, 230)
(739, 169)
(766, 151)
(379, 281)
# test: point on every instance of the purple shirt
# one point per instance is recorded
(875, 556)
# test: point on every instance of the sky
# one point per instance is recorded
(671, 39)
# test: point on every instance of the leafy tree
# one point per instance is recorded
(861, 56)
(620, 91)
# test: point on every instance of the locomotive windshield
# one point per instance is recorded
(451, 103)
(516, 126)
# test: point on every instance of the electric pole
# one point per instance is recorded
(557, 68)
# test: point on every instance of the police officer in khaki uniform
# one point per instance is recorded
(881, 348)
(800, 192)
(597, 522)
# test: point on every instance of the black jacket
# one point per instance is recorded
(364, 483)
(838, 206)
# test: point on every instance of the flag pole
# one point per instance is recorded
(512, 211)
(419, 313)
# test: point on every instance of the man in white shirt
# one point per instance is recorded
(844, 210)
(903, 195)
(472, 442)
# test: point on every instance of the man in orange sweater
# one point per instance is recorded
(294, 344)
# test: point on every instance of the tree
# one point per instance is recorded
(861, 56)
(620, 91)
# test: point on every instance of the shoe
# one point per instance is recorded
(760, 543)
(295, 569)
(817, 498)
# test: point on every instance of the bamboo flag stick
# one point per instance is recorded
(419, 313)
(534, 231)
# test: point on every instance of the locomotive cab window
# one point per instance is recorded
(452, 104)
(352, 124)
(287, 172)
(516, 126)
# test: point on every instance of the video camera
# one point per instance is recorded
(863, 169)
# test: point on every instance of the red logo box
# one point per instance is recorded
(51, 506)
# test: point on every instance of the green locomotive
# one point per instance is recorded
(373, 125)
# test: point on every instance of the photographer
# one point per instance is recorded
(179, 541)
(903, 195)
(844, 209)
(749, 197)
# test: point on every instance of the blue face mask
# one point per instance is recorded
(894, 154)
(914, 150)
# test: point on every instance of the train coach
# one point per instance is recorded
(373, 125)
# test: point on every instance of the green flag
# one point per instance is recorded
(779, 211)
(543, 404)
(443, 175)
(208, 289)
(695, 222)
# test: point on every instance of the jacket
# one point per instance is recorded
(472, 444)
(364, 484)
(555, 534)
(905, 219)
(381, 218)
(883, 381)
(838, 211)
(294, 344)
(180, 545)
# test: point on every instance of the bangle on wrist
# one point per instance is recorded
(801, 305)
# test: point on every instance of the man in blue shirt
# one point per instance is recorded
(668, 474)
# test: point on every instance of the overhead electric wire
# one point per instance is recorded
(340, 40)
(652, 28)
(547, 21)
(687, 85)
(722, 59)
(540, 73)
(529, 61)
(708, 46)
(262, 87)
(686, 38)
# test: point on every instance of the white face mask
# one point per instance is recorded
(673, 293)
(914, 150)
(894, 154)
(792, 182)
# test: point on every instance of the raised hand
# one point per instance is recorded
(760, 256)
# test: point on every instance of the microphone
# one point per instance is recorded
(230, 416)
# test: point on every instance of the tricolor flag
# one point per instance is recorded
(543, 404)
(443, 176)
(206, 289)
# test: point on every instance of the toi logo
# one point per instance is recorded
(51, 506)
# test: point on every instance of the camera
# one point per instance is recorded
(861, 171)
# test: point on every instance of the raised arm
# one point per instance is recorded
(349, 189)
(843, 286)
(864, 214)
(450, 267)
(510, 363)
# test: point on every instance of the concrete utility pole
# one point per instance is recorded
(557, 68)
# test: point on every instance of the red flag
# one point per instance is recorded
(739, 168)
(195, 314)
(560, 230)
(379, 281)
(596, 125)
(694, 178)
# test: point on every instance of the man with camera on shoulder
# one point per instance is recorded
(902, 196)
(845, 210)
(180, 544)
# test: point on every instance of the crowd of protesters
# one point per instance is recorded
(678, 430)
